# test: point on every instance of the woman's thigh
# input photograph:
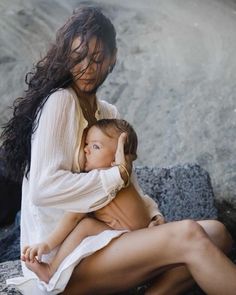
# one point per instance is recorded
(130, 259)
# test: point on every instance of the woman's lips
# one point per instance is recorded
(88, 80)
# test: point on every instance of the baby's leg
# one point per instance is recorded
(86, 227)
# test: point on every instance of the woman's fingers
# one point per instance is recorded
(120, 155)
(157, 221)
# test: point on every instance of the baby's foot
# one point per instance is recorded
(41, 269)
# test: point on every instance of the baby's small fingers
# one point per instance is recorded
(25, 249)
(33, 253)
(40, 253)
(27, 254)
(22, 257)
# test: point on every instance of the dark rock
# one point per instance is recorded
(182, 191)
(227, 214)
(10, 195)
(10, 241)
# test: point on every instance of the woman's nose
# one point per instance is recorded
(88, 65)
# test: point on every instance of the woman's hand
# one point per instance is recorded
(30, 252)
(157, 220)
(122, 159)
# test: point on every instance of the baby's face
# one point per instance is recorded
(99, 149)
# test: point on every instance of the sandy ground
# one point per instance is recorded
(175, 78)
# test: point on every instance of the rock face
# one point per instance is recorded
(174, 79)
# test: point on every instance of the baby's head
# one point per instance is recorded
(101, 142)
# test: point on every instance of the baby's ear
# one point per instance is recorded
(113, 164)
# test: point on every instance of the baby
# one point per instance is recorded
(128, 210)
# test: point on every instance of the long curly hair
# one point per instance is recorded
(51, 73)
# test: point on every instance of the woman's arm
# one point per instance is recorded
(51, 182)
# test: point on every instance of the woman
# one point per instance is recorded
(43, 142)
(126, 211)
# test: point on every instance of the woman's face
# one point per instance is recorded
(90, 73)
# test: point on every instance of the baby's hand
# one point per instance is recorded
(157, 220)
(37, 250)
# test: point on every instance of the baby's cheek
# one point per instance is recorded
(82, 160)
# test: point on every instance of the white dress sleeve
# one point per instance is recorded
(51, 182)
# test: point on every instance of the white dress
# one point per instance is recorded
(54, 185)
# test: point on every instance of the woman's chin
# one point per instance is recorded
(87, 88)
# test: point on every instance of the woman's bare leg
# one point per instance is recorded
(179, 279)
(174, 281)
(138, 256)
(86, 227)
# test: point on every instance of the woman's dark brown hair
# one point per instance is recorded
(108, 126)
(51, 73)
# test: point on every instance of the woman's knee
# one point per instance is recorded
(220, 235)
(192, 237)
(181, 232)
(180, 241)
(191, 230)
(194, 241)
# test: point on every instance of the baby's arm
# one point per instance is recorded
(64, 227)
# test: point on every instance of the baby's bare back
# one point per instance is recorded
(126, 211)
